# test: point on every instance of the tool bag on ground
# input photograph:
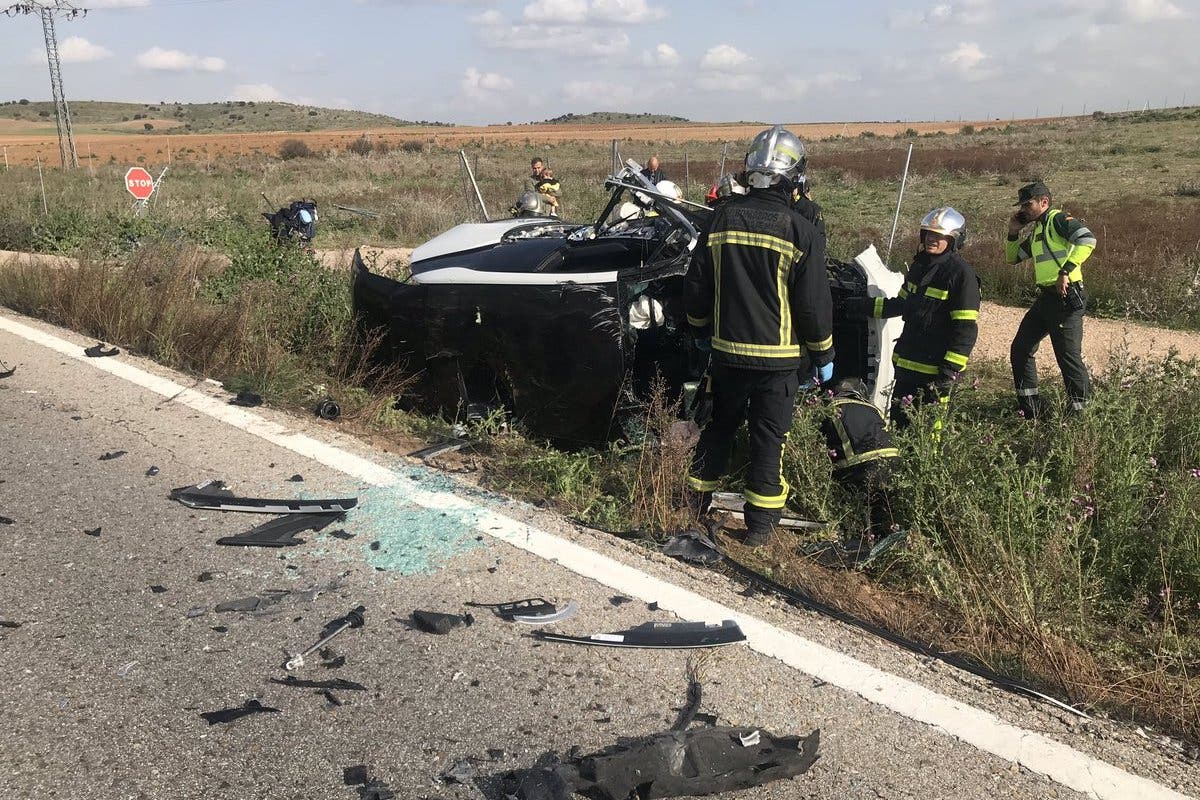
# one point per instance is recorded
(295, 221)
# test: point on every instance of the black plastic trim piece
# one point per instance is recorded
(281, 531)
(215, 496)
(658, 636)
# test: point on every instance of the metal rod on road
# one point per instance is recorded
(41, 180)
(899, 200)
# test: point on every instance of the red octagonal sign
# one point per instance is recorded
(139, 183)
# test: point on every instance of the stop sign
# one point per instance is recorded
(139, 183)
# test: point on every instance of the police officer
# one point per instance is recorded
(1058, 246)
(758, 295)
(940, 305)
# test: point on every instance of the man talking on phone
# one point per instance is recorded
(1058, 244)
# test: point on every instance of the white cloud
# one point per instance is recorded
(158, 59)
(96, 4)
(478, 85)
(962, 12)
(663, 56)
(556, 11)
(600, 95)
(72, 50)
(625, 12)
(1150, 10)
(725, 57)
(966, 57)
(566, 41)
(821, 82)
(257, 92)
(489, 17)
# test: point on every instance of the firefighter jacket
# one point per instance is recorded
(940, 305)
(856, 432)
(758, 284)
(1058, 245)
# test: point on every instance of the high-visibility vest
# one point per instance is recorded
(1050, 253)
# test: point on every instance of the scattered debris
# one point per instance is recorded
(619, 600)
(7, 520)
(196, 611)
(531, 611)
(438, 623)
(214, 495)
(124, 670)
(271, 597)
(113, 455)
(328, 409)
(334, 663)
(461, 772)
(207, 576)
(354, 619)
(225, 715)
(751, 739)
(150, 473)
(281, 531)
(158, 589)
(733, 503)
(297, 478)
(336, 683)
(659, 635)
(853, 554)
(93, 531)
(247, 400)
(368, 788)
(97, 351)
(4, 623)
(694, 546)
(427, 454)
(8, 373)
(341, 533)
(331, 698)
(695, 696)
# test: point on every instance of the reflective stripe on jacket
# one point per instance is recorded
(856, 432)
(1058, 242)
(757, 283)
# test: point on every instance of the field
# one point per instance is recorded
(1065, 551)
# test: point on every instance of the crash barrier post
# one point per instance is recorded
(899, 200)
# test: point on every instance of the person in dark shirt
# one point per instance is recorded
(653, 171)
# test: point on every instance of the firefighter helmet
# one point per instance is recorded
(947, 222)
(774, 154)
(669, 189)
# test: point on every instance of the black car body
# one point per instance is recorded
(565, 325)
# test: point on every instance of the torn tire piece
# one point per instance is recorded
(230, 714)
(93, 531)
(98, 351)
(214, 495)
(659, 635)
(698, 762)
(341, 684)
(247, 400)
(438, 623)
(693, 546)
(281, 531)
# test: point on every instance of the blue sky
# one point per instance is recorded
(522, 60)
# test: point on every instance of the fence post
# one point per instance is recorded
(42, 181)
(6, 158)
(687, 174)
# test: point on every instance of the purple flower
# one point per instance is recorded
(1153, 462)
(833, 453)
(1196, 473)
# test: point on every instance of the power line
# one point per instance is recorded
(62, 112)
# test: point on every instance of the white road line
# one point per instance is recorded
(977, 727)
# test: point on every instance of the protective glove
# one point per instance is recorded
(818, 377)
(703, 344)
(860, 307)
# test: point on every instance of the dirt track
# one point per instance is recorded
(155, 149)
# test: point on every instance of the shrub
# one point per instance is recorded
(294, 148)
(1188, 189)
(148, 126)
(312, 113)
(967, 130)
(360, 146)
(412, 146)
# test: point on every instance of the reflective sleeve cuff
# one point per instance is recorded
(698, 322)
(957, 359)
(964, 313)
(701, 485)
(820, 346)
(877, 311)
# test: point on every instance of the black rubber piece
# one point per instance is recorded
(439, 623)
(97, 351)
(247, 400)
(658, 635)
(281, 531)
(230, 714)
(328, 409)
(214, 495)
(341, 684)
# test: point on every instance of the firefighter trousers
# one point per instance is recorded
(1050, 316)
(766, 401)
(913, 390)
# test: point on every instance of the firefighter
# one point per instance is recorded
(940, 305)
(757, 295)
(1058, 246)
(862, 453)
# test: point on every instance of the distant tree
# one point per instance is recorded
(360, 146)
(294, 148)
(312, 112)
(148, 126)
(23, 101)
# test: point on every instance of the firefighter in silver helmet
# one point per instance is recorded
(758, 297)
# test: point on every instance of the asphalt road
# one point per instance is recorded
(119, 649)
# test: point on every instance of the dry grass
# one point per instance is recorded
(888, 164)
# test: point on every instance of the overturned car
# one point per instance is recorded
(568, 325)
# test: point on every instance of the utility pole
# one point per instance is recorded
(47, 10)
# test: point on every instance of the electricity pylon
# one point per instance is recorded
(62, 112)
